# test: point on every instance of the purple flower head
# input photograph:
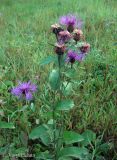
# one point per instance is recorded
(68, 20)
(24, 90)
(72, 56)
(71, 22)
(64, 36)
(80, 57)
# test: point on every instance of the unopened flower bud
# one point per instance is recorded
(59, 48)
(64, 36)
(85, 48)
(77, 34)
(56, 28)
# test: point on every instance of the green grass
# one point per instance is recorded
(24, 37)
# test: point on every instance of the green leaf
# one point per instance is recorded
(43, 155)
(67, 90)
(89, 137)
(42, 133)
(73, 152)
(4, 150)
(104, 147)
(6, 125)
(37, 132)
(32, 106)
(2, 141)
(24, 138)
(48, 60)
(72, 137)
(65, 105)
(71, 73)
(54, 79)
(20, 151)
(1, 112)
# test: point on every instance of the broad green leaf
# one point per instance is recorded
(89, 136)
(32, 106)
(65, 105)
(73, 152)
(48, 60)
(8, 83)
(42, 133)
(6, 125)
(72, 137)
(43, 155)
(71, 73)
(54, 79)
(67, 90)
(37, 132)
(105, 147)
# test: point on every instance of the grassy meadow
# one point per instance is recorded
(25, 35)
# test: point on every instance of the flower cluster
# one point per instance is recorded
(68, 31)
(24, 90)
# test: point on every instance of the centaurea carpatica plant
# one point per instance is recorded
(70, 48)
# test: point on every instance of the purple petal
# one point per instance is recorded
(16, 91)
(68, 20)
(79, 23)
(80, 57)
(33, 87)
(63, 20)
(29, 96)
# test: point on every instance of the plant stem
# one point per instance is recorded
(60, 135)
(54, 130)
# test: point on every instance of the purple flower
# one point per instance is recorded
(24, 90)
(71, 22)
(64, 36)
(72, 56)
(68, 20)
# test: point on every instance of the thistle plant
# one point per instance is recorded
(70, 48)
